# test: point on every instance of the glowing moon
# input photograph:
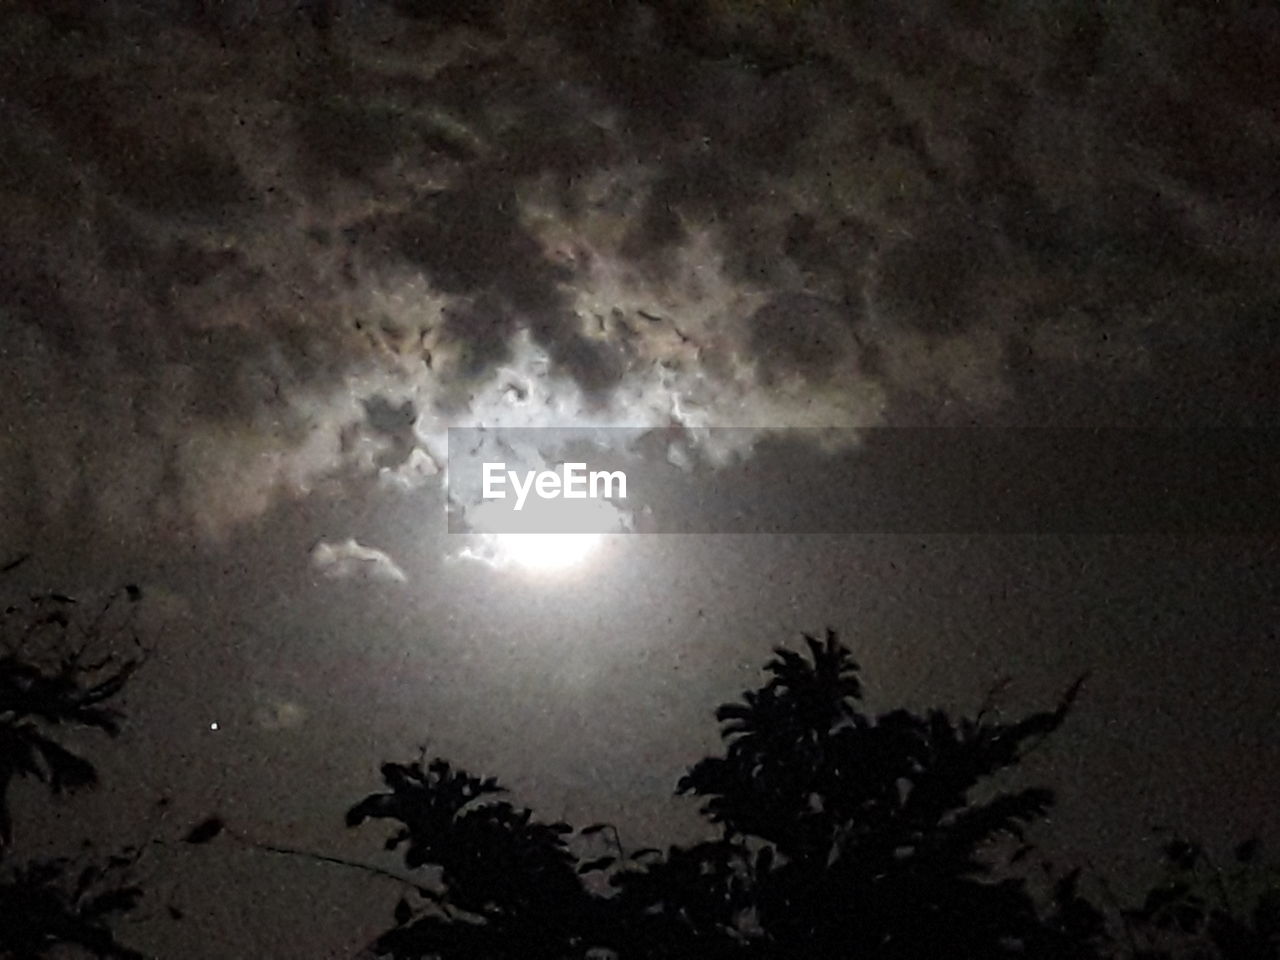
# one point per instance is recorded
(545, 551)
(538, 553)
(547, 537)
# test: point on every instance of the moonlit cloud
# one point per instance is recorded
(216, 303)
(349, 560)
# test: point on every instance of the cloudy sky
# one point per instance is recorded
(259, 257)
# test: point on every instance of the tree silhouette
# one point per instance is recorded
(840, 835)
(60, 671)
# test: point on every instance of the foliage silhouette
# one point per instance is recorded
(840, 835)
(511, 887)
(47, 904)
(1203, 909)
(60, 670)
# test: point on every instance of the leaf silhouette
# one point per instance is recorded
(1248, 850)
(204, 831)
(1181, 854)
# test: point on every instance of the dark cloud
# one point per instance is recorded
(803, 335)
(470, 241)
(934, 283)
(233, 248)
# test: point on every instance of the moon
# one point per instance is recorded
(548, 538)
(546, 552)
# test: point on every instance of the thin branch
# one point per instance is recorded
(989, 702)
(15, 564)
(368, 868)
(617, 840)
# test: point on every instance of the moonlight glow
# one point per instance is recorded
(545, 551)
(533, 552)
(548, 536)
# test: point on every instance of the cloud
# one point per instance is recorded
(275, 715)
(763, 215)
(349, 560)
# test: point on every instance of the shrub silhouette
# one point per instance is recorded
(58, 671)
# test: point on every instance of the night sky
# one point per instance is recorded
(257, 258)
